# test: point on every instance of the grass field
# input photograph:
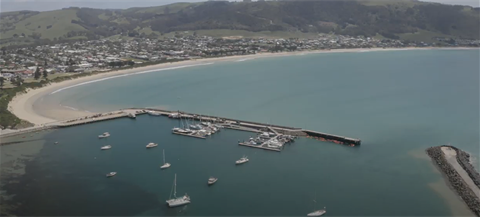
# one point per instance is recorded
(59, 20)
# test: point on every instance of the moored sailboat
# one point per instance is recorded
(317, 212)
(177, 201)
(165, 165)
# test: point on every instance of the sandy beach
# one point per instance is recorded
(23, 107)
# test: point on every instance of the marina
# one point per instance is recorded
(206, 126)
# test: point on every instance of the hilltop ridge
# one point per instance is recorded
(407, 19)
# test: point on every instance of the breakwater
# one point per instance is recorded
(463, 159)
(454, 178)
(242, 124)
(226, 122)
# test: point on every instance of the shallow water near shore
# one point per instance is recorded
(398, 103)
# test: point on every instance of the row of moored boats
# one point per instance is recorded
(201, 129)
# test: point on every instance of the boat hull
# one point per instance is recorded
(317, 213)
(177, 202)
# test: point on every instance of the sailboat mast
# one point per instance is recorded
(175, 187)
(164, 156)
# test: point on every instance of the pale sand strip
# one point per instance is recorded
(451, 156)
(22, 104)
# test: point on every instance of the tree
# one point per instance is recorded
(17, 81)
(37, 73)
(45, 73)
(2, 80)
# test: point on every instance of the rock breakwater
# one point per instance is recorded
(456, 181)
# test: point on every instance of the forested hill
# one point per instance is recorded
(369, 18)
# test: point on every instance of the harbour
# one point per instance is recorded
(395, 124)
(222, 122)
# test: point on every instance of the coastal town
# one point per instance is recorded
(28, 63)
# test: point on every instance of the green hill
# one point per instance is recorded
(396, 19)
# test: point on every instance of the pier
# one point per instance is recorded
(228, 123)
(187, 134)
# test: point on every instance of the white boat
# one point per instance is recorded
(242, 160)
(106, 147)
(154, 113)
(174, 115)
(151, 145)
(165, 165)
(111, 174)
(104, 135)
(317, 212)
(212, 180)
(131, 115)
(177, 201)
(265, 135)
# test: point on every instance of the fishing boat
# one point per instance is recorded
(177, 201)
(111, 174)
(106, 147)
(104, 135)
(151, 145)
(242, 160)
(317, 212)
(165, 165)
(212, 180)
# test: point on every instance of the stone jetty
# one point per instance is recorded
(463, 159)
(454, 178)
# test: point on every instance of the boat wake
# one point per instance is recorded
(125, 75)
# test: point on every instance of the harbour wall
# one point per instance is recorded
(463, 159)
(294, 131)
(228, 122)
(454, 178)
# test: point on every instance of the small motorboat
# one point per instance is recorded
(212, 180)
(106, 147)
(132, 115)
(152, 145)
(104, 135)
(56, 143)
(111, 174)
(242, 160)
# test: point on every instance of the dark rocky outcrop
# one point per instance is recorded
(456, 181)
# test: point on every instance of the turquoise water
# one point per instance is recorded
(397, 102)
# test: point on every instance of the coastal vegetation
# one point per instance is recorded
(392, 19)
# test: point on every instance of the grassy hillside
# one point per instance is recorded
(49, 24)
(407, 19)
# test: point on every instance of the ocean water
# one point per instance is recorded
(397, 102)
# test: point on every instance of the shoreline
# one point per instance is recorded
(22, 105)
